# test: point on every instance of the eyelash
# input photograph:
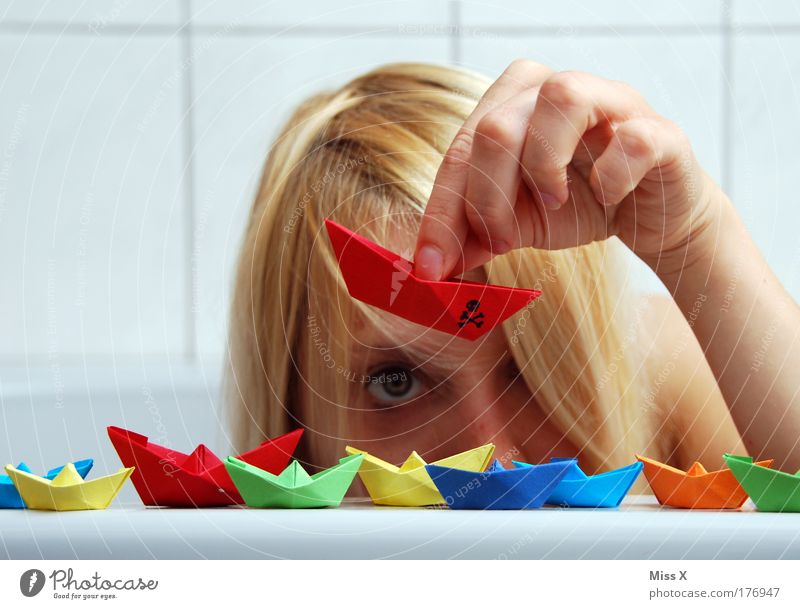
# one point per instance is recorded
(388, 371)
(384, 370)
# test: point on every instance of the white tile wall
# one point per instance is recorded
(377, 14)
(582, 13)
(130, 144)
(765, 129)
(96, 15)
(92, 229)
(46, 425)
(245, 89)
(769, 13)
(680, 75)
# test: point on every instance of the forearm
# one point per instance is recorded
(749, 329)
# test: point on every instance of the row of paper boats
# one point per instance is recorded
(267, 477)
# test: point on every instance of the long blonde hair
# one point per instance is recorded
(366, 155)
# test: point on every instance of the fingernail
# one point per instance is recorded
(550, 201)
(430, 261)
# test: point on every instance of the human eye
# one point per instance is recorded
(391, 384)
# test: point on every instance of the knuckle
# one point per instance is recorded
(609, 184)
(520, 66)
(637, 141)
(489, 218)
(565, 90)
(497, 128)
(439, 217)
(524, 72)
(458, 154)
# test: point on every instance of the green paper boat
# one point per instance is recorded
(293, 487)
(770, 489)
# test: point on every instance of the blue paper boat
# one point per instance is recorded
(9, 496)
(498, 488)
(606, 490)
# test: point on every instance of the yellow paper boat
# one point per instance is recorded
(410, 485)
(67, 491)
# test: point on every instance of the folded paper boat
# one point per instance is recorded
(606, 490)
(695, 488)
(67, 490)
(293, 487)
(410, 485)
(168, 478)
(497, 488)
(9, 495)
(770, 489)
(383, 279)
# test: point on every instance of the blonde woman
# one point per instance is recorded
(540, 179)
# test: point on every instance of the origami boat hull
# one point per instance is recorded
(9, 495)
(411, 485)
(293, 488)
(770, 489)
(498, 489)
(168, 478)
(383, 279)
(42, 494)
(606, 490)
(695, 488)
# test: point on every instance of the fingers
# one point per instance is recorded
(445, 226)
(494, 174)
(474, 254)
(637, 147)
(569, 105)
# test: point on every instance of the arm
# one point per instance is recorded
(748, 327)
(557, 160)
(690, 411)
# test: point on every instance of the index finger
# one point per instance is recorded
(445, 227)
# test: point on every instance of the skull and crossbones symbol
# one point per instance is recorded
(471, 315)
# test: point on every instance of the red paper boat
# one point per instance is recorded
(383, 279)
(169, 478)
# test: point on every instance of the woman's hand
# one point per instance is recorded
(554, 160)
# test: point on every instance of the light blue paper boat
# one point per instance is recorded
(606, 490)
(9, 496)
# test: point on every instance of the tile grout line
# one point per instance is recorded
(190, 323)
(727, 97)
(455, 31)
(373, 30)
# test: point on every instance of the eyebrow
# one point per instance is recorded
(437, 362)
(373, 354)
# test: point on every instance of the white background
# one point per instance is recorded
(132, 134)
(473, 583)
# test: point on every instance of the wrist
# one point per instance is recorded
(714, 230)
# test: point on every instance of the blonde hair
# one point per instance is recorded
(366, 155)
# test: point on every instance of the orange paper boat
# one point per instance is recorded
(695, 488)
